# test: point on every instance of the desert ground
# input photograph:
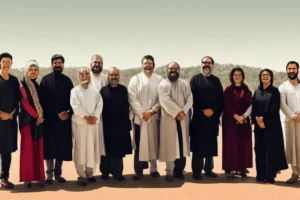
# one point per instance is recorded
(155, 188)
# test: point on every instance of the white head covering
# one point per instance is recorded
(29, 64)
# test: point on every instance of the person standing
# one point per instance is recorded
(9, 106)
(55, 99)
(176, 100)
(208, 105)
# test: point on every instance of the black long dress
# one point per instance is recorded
(269, 146)
(9, 100)
(207, 93)
(116, 122)
(55, 92)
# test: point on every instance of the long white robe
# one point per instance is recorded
(290, 105)
(143, 96)
(87, 147)
(174, 97)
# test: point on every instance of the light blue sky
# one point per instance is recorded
(255, 33)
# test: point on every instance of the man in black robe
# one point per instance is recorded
(207, 108)
(116, 126)
(55, 99)
(9, 106)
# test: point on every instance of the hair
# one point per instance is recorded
(148, 57)
(236, 69)
(171, 63)
(5, 55)
(96, 55)
(271, 76)
(292, 62)
(212, 60)
(112, 68)
(57, 56)
(81, 68)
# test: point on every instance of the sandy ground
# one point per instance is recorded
(155, 188)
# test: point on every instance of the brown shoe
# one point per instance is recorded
(293, 179)
(5, 183)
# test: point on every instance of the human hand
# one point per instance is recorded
(63, 115)
(208, 112)
(4, 116)
(39, 120)
(147, 115)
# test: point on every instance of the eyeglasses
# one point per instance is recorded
(207, 63)
(116, 75)
(265, 74)
(173, 68)
(237, 75)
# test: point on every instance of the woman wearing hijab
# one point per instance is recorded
(269, 146)
(30, 122)
(237, 138)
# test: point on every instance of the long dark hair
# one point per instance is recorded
(271, 76)
(236, 69)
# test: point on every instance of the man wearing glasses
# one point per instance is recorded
(116, 126)
(208, 105)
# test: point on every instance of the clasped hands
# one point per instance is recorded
(91, 119)
(260, 122)
(297, 118)
(5, 116)
(208, 112)
(63, 115)
(147, 115)
(239, 119)
(180, 116)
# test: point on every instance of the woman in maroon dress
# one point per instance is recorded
(236, 127)
(30, 122)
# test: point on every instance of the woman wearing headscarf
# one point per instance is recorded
(236, 130)
(269, 146)
(30, 124)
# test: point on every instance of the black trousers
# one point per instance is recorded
(264, 168)
(198, 161)
(6, 161)
(139, 166)
(111, 165)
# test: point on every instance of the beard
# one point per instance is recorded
(58, 69)
(292, 75)
(173, 76)
(84, 82)
(113, 82)
(97, 69)
(148, 70)
(206, 70)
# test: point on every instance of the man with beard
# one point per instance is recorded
(176, 100)
(116, 126)
(143, 98)
(55, 91)
(87, 106)
(98, 79)
(290, 105)
(207, 108)
(9, 105)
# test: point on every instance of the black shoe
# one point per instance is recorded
(179, 176)
(49, 181)
(155, 174)
(260, 179)
(28, 184)
(41, 184)
(211, 174)
(120, 178)
(197, 177)
(169, 178)
(92, 179)
(104, 177)
(60, 179)
(81, 181)
(137, 176)
(5, 183)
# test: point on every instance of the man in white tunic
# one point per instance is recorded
(143, 99)
(98, 79)
(290, 106)
(176, 100)
(87, 105)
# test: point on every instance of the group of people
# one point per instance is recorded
(91, 123)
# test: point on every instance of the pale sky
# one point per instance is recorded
(255, 33)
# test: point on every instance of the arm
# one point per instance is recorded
(189, 102)
(133, 100)
(25, 104)
(284, 107)
(274, 106)
(248, 111)
(99, 107)
(75, 104)
(220, 103)
(228, 103)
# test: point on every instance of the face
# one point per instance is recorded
(147, 66)
(113, 77)
(57, 65)
(97, 65)
(173, 72)
(265, 77)
(292, 71)
(207, 66)
(237, 77)
(32, 72)
(84, 76)
(6, 64)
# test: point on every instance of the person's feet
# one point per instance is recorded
(104, 177)
(92, 179)
(197, 177)
(179, 176)
(5, 183)
(81, 181)
(293, 179)
(41, 184)
(155, 174)
(230, 174)
(137, 176)
(120, 178)
(211, 174)
(169, 178)
(49, 181)
(28, 184)
(60, 179)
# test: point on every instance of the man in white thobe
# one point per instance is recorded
(176, 100)
(290, 106)
(143, 99)
(98, 79)
(87, 105)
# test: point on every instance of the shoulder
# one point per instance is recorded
(159, 77)
(228, 88)
(47, 76)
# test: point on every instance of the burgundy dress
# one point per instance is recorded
(237, 138)
(32, 151)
